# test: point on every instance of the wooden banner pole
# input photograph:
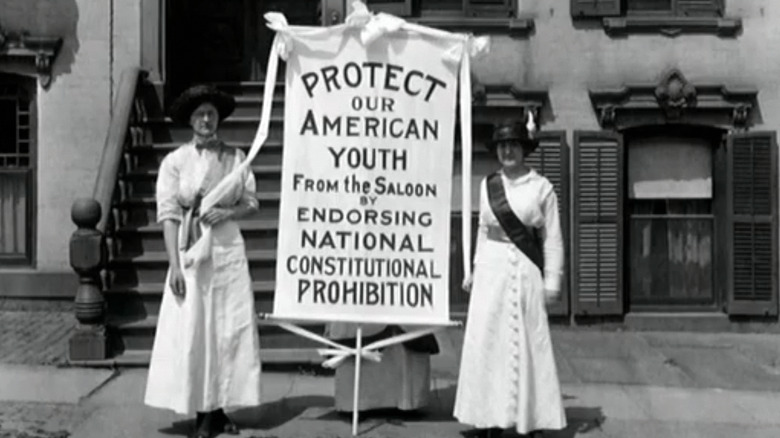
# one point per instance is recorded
(356, 385)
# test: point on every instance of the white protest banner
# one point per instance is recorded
(364, 226)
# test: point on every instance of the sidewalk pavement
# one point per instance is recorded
(35, 337)
(615, 384)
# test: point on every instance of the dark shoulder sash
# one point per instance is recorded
(512, 225)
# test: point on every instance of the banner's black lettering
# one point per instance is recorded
(383, 76)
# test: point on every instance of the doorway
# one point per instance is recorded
(225, 41)
(17, 170)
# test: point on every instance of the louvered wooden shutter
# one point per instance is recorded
(595, 8)
(706, 8)
(597, 286)
(752, 224)
(552, 161)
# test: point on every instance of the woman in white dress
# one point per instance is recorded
(508, 377)
(206, 354)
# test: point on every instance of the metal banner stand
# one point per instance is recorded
(356, 384)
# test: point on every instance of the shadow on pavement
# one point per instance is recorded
(181, 428)
(579, 420)
(439, 409)
(274, 414)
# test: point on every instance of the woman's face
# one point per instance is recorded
(205, 120)
(510, 154)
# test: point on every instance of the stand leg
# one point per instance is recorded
(356, 386)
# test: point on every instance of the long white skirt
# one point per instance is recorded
(507, 375)
(206, 352)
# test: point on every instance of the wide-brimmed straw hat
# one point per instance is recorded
(182, 108)
(513, 131)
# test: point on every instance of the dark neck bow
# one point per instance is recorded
(211, 143)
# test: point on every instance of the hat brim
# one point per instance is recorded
(182, 108)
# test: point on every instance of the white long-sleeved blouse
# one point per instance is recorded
(533, 200)
(191, 169)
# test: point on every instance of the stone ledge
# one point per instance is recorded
(672, 26)
(518, 27)
(40, 50)
(696, 322)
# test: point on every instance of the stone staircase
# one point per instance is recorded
(138, 266)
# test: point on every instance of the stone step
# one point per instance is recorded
(251, 106)
(257, 233)
(276, 356)
(145, 299)
(142, 210)
(138, 273)
(155, 289)
(232, 129)
(142, 181)
(251, 88)
(139, 334)
(151, 267)
(149, 156)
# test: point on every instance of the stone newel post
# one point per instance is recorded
(88, 257)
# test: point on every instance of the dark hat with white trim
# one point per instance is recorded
(182, 108)
(513, 131)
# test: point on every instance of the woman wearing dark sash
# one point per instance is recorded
(508, 377)
(206, 354)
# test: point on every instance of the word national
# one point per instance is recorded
(363, 241)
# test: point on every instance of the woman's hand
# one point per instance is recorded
(467, 282)
(177, 282)
(216, 215)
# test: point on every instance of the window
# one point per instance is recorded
(675, 218)
(669, 17)
(671, 225)
(401, 8)
(16, 171)
(685, 8)
(444, 8)
(613, 8)
(475, 16)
